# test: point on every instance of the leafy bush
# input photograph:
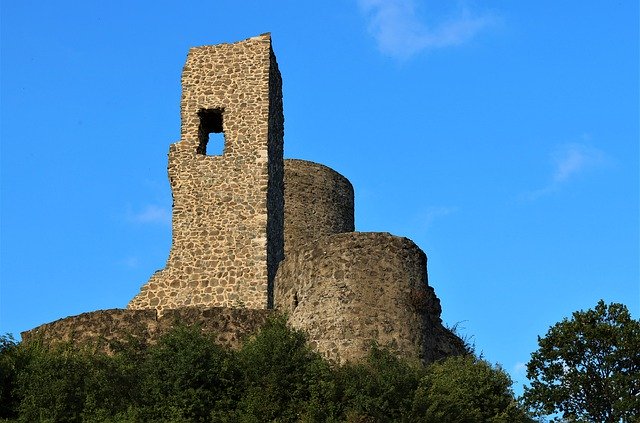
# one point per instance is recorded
(379, 389)
(282, 377)
(185, 376)
(10, 364)
(466, 389)
(52, 385)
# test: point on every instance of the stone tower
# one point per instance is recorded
(228, 210)
(346, 289)
(318, 202)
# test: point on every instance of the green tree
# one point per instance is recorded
(379, 388)
(10, 364)
(282, 377)
(185, 377)
(52, 385)
(65, 383)
(466, 389)
(587, 368)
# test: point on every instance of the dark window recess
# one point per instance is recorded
(210, 123)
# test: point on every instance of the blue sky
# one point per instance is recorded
(502, 137)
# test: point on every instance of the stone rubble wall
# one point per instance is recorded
(102, 328)
(348, 290)
(318, 202)
(228, 210)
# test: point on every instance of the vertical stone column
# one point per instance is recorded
(228, 210)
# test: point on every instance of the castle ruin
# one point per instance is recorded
(253, 233)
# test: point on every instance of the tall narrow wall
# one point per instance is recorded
(228, 210)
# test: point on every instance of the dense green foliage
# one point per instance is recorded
(186, 377)
(9, 370)
(587, 368)
(466, 389)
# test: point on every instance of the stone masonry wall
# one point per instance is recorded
(104, 327)
(318, 202)
(351, 289)
(227, 234)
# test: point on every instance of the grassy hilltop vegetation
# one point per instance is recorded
(587, 369)
(185, 377)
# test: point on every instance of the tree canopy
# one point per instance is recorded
(587, 368)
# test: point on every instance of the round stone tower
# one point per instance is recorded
(318, 202)
(347, 290)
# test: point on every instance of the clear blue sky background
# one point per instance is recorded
(502, 137)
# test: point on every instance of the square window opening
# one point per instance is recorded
(211, 123)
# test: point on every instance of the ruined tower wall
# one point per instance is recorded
(228, 210)
(351, 289)
(318, 202)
